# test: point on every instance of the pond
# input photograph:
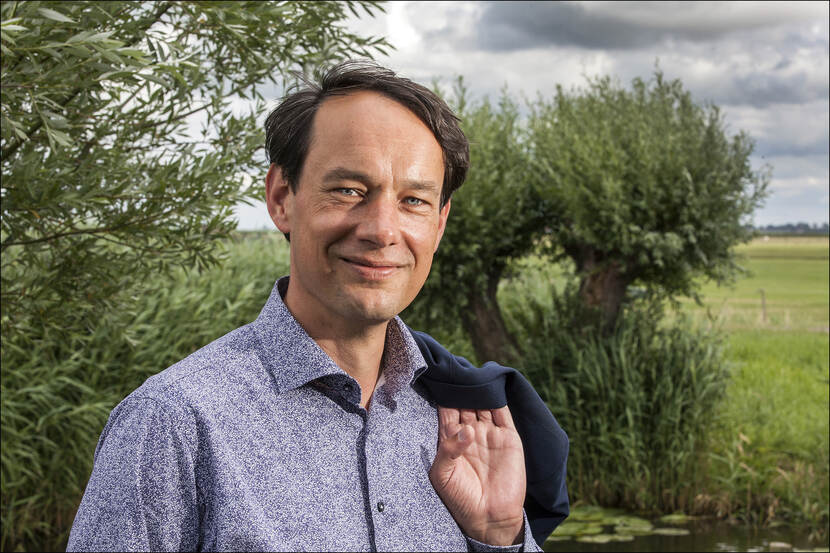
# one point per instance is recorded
(597, 529)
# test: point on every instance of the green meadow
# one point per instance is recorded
(785, 288)
(769, 454)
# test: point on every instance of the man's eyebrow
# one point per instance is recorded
(339, 174)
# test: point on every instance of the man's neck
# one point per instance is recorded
(355, 348)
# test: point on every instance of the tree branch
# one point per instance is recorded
(85, 231)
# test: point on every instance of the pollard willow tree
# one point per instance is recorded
(107, 179)
(643, 186)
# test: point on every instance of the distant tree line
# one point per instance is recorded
(801, 227)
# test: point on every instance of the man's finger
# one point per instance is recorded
(468, 416)
(484, 415)
(449, 420)
(450, 448)
(503, 418)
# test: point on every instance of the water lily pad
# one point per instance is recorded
(631, 525)
(670, 532)
(629, 520)
(605, 538)
(633, 530)
(599, 538)
(591, 513)
(676, 518)
(558, 538)
(577, 529)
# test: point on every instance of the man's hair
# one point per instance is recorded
(288, 126)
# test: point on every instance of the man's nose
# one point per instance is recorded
(379, 223)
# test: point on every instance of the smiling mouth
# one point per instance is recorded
(372, 270)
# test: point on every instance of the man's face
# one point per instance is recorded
(365, 220)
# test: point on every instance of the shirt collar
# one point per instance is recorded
(293, 358)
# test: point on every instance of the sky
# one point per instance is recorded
(765, 64)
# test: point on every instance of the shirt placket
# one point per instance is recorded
(379, 493)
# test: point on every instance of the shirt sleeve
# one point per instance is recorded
(142, 494)
(529, 544)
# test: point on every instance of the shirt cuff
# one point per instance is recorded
(528, 544)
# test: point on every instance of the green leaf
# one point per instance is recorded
(154, 78)
(55, 16)
(82, 36)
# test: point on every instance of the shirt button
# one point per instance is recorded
(381, 506)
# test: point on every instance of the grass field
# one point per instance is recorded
(785, 289)
(771, 444)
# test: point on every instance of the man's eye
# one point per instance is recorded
(414, 201)
(348, 191)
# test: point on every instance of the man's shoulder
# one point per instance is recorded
(218, 369)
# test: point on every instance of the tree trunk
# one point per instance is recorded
(602, 286)
(485, 326)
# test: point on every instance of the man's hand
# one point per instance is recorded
(479, 473)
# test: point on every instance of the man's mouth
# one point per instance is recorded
(372, 269)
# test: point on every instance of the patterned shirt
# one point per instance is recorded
(257, 442)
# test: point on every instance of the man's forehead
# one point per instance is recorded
(362, 109)
(357, 131)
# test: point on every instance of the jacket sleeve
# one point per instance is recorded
(142, 493)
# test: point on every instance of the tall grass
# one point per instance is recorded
(770, 451)
(57, 390)
(637, 404)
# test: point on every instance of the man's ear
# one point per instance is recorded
(442, 223)
(278, 198)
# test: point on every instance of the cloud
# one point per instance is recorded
(803, 205)
(505, 26)
(791, 130)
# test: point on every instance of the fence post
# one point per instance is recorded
(763, 305)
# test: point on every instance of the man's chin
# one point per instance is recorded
(373, 307)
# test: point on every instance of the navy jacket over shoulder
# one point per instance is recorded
(455, 382)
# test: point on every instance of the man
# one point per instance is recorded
(306, 429)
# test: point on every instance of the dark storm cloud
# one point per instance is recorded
(520, 25)
(773, 147)
(507, 26)
(765, 89)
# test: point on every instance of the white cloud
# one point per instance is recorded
(706, 16)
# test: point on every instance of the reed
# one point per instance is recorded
(58, 388)
(637, 405)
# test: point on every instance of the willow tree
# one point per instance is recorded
(644, 185)
(121, 150)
